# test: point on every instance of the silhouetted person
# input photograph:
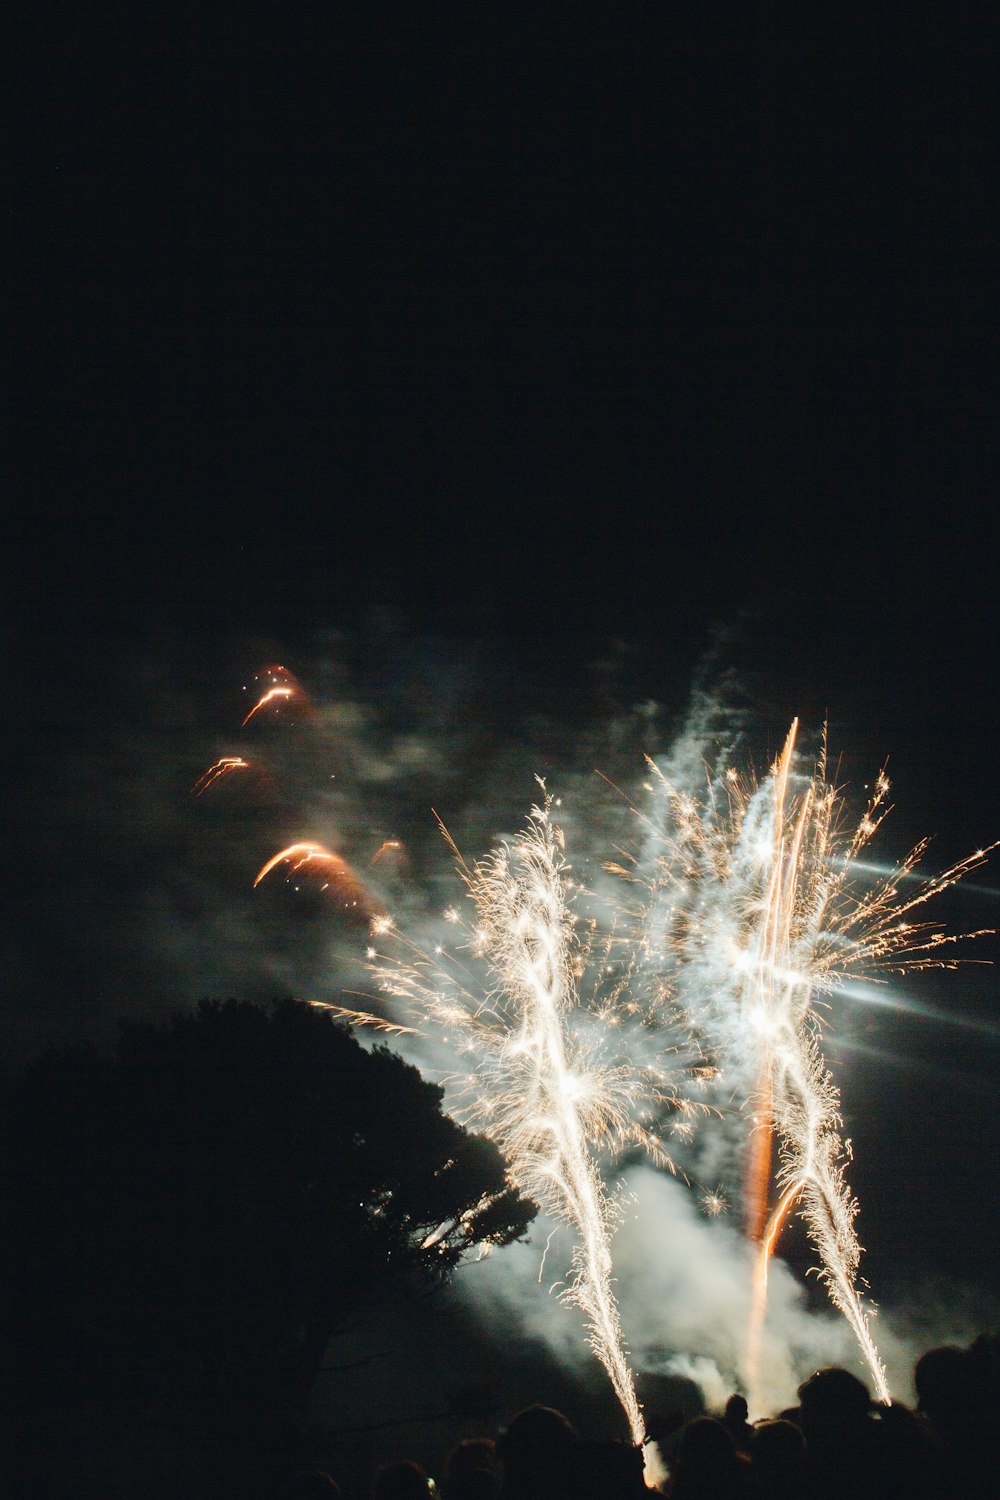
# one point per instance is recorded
(471, 1471)
(311, 1484)
(403, 1479)
(843, 1453)
(956, 1395)
(607, 1469)
(707, 1465)
(777, 1460)
(735, 1420)
(534, 1453)
(947, 1389)
(908, 1454)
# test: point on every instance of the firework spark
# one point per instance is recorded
(757, 910)
(391, 854)
(334, 873)
(543, 1079)
(571, 1041)
(282, 689)
(222, 767)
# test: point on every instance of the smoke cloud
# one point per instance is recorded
(150, 904)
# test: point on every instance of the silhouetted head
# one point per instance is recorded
(704, 1438)
(538, 1426)
(602, 1468)
(403, 1480)
(737, 1410)
(471, 1470)
(943, 1378)
(312, 1484)
(776, 1444)
(533, 1451)
(832, 1400)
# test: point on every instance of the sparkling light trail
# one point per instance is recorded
(334, 872)
(570, 1039)
(541, 1081)
(222, 767)
(756, 911)
(283, 689)
(268, 697)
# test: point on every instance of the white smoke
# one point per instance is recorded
(405, 732)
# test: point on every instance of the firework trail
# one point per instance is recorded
(541, 1082)
(756, 911)
(526, 931)
(334, 873)
(283, 688)
(755, 907)
(223, 767)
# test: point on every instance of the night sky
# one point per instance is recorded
(505, 373)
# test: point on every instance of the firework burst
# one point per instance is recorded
(542, 1079)
(756, 913)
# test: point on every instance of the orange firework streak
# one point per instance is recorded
(269, 697)
(814, 1177)
(389, 848)
(758, 1182)
(337, 875)
(284, 689)
(774, 960)
(221, 768)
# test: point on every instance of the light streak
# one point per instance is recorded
(362, 1018)
(283, 688)
(335, 873)
(269, 696)
(757, 910)
(760, 908)
(391, 852)
(222, 767)
(541, 1083)
(526, 933)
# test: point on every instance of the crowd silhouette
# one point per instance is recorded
(174, 1275)
(835, 1443)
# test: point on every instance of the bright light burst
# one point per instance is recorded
(572, 1040)
(755, 911)
(543, 1080)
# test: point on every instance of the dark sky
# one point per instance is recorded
(500, 361)
(597, 319)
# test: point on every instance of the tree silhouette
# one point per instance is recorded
(224, 1188)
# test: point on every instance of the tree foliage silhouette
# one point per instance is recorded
(228, 1186)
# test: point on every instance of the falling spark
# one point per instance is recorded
(755, 912)
(540, 1082)
(221, 767)
(362, 1018)
(283, 687)
(390, 853)
(335, 872)
(267, 697)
